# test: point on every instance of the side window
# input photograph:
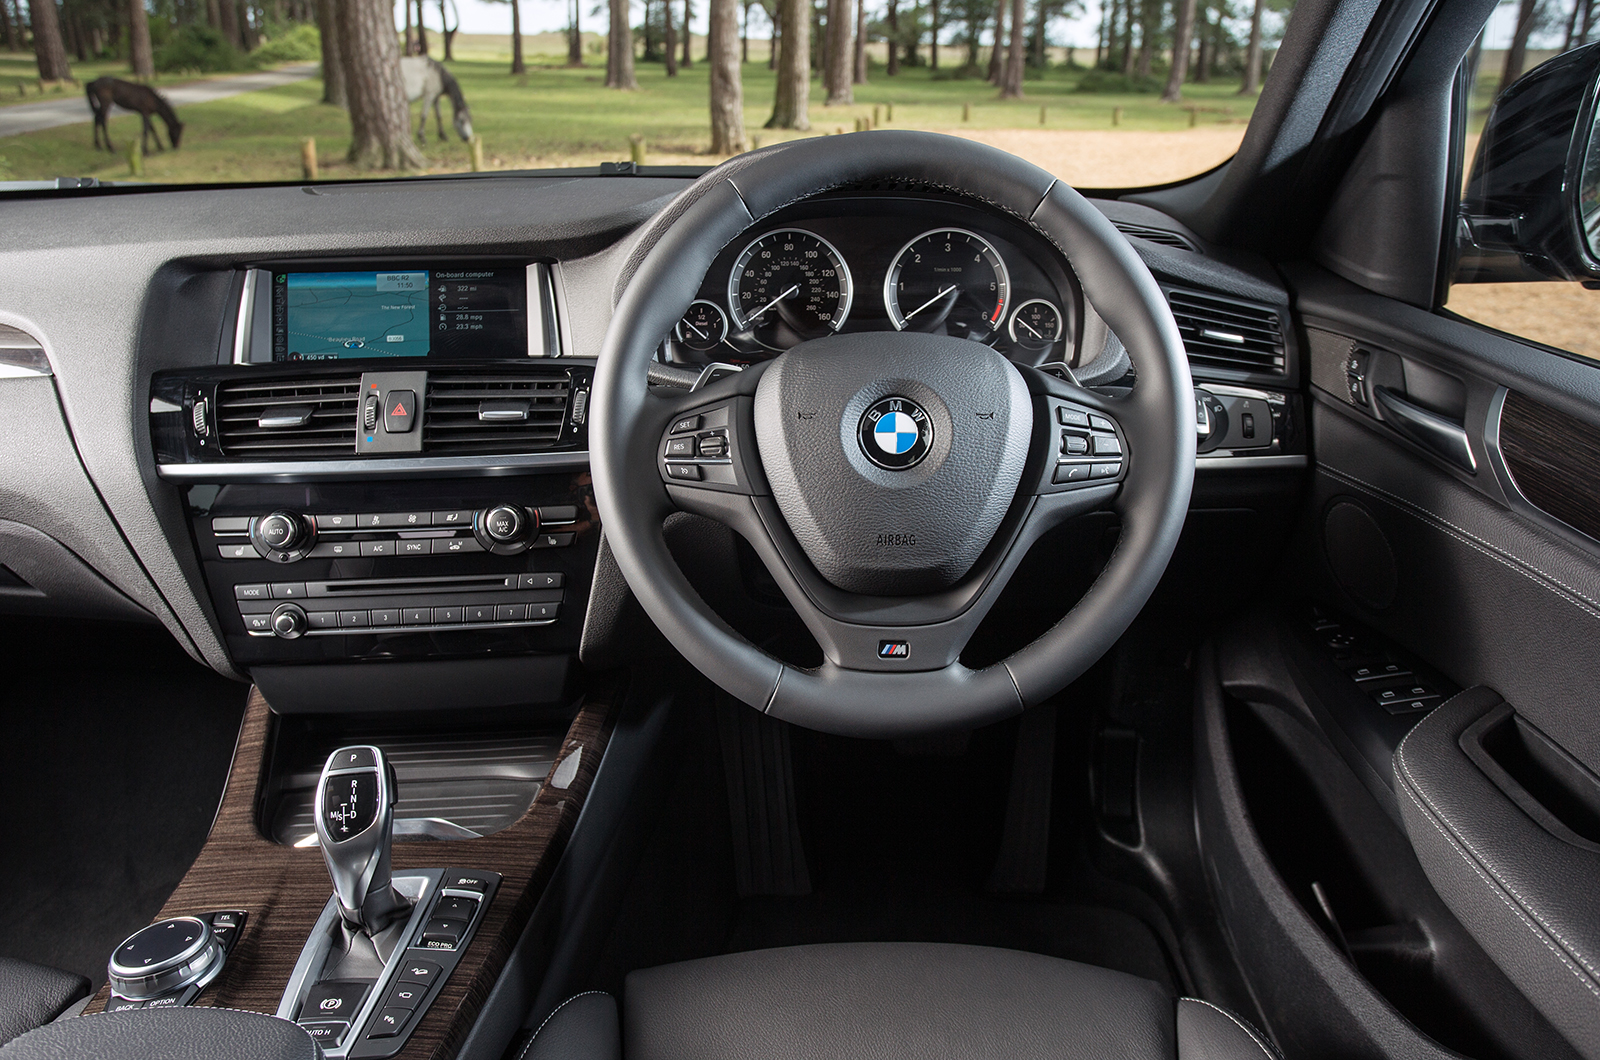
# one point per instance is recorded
(1525, 261)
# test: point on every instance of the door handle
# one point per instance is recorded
(1444, 438)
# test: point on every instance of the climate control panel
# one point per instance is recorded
(285, 536)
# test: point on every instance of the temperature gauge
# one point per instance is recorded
(1036, 325)
(702, 327)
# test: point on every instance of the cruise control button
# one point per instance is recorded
(714, 446)
(388, 1023)
(336, 522)
(449, 546)
(1071, 473)
(540, 581)
(1074, 445)
(680, 447)
(687, 423)
(686, 472)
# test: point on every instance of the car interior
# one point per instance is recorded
(864, 599)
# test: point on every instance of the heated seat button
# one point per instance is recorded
(334, 999)
(399, 411)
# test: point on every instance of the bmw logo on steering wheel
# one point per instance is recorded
(895, 433)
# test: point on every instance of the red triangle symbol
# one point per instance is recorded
(399, 410)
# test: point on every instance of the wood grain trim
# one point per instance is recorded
(1554, 459)
(284, 888)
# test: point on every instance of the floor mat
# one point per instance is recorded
(114, 747)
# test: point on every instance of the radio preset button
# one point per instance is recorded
(323, 620)
(446, 616)
(417, 616)
(480, 613)
(352, 618)
(389, 616)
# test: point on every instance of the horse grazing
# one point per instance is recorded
(105, 91)
(427, 80)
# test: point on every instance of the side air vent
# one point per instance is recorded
(1155, 235)
(287, 419)
(494, 412)
(1219, 332)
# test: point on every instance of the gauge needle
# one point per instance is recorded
(794, 289)
(930, 301)
(690, 325)
(1035, 331)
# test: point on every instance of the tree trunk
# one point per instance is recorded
(998, 48)
(1588, 21)
(1128, 21)
(228, 13)
(518, 65)
(1017, 55)
(1202, 64)
(410, 48)
(1182, 37)
(744, 36)
(1150, 12)
(1517, 54)
(422, 31)
(140, 59)
(1038, 43)
(10, 25)
(894, 38)
(1572, 26)
(444, 31)
(48, 49)
(727, 90)
(688, 34)
(575, 38)
(333, 64)
(380, 118)
(792, 96)
(933, 37)
(840, 14)
(214, 13)
(619, 49)
(1252, 56)
(672, 40)
(776, 44)
(860, 54)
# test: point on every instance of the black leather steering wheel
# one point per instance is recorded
(891, 549)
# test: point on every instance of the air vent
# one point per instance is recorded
(494, 412)
(1155, 235)
(288, 418)
(1222, 333)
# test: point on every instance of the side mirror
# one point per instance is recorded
(1531, 210)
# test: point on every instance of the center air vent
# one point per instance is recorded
(1155, 235)
(286, 419)
(1223, 333)
(494, 412)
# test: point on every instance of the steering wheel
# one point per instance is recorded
(890, 482)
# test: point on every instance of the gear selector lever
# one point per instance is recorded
(355, 826)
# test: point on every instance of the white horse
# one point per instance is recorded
(427, 80)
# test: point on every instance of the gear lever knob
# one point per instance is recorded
(355, 826)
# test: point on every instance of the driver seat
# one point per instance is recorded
(891, 1001)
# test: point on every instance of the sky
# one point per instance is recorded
(485, 16)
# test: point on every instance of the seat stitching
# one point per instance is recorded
(523, 1055)
(1520, 907)
(1272, 1054)
(1516, 563)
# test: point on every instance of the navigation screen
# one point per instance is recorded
(467, 313)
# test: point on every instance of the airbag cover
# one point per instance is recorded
(871, 529)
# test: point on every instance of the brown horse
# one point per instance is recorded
(105, 91)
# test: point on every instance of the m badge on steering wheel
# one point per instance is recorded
(895, 433)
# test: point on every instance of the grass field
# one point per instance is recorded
(554, 116)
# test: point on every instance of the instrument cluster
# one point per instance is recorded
(877, 263)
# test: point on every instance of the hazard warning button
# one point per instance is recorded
(399, 411)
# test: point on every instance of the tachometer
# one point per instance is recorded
(789, 286)
(949, 280)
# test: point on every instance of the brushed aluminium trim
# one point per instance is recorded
(246, 317)
(533, 298)
(1214, 462)
(376, 467)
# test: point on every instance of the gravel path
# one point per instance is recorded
(69, 110)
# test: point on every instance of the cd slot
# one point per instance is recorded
(447, 584)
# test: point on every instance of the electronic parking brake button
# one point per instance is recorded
(335, 999)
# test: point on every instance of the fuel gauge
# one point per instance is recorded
(702, 327)
(1036, 325)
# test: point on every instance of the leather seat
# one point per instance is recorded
(892, 1001)
(32, 995)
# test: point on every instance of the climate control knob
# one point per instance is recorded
(288, 621)
(506, 529)
(282, 537)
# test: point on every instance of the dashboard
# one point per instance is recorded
(882, 263)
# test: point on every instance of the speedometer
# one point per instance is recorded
(789, 286)
(949, 280)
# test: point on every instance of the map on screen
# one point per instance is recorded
(332, 315)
